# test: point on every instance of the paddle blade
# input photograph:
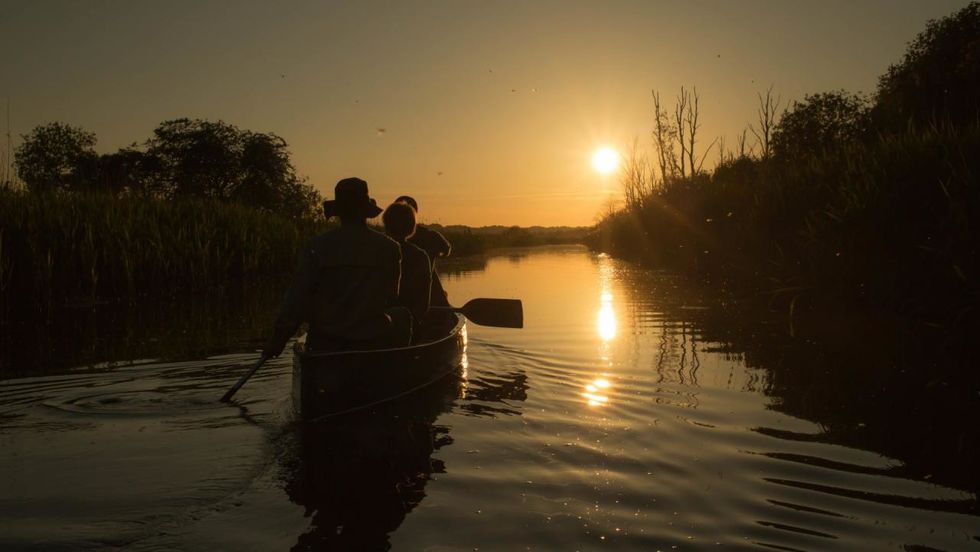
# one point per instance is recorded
(501, 313)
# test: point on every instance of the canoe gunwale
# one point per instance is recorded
(316, 373)
(458, 327)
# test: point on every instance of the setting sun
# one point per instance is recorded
(605, 160)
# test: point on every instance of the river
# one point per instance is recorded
(633, 412)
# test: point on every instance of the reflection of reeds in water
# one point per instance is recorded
(677, 358)
(880, 384)
(233, 318)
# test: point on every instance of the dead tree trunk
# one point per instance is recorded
(768, 113)
(664, 137)
(680, 119)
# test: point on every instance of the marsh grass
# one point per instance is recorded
(61, 248)
(891, 222)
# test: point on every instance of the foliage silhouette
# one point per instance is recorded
(184, 158)
(56, 156)
(939, 77)
(821, 122)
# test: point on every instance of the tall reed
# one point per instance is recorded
(62, 247)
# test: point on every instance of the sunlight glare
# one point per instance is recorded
(605, 160)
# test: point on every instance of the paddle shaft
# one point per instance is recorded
(241, 381)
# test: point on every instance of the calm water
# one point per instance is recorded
(630, 414)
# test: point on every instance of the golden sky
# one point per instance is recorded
(486, 112)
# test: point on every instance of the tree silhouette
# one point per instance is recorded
(184, 158)
(819, 123)
(939, 77)
(767, 114)
(193, 157)
(199, 158)
(56, 156)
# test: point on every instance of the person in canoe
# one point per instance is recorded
(346, 285)
(435, 245)
(416, 283)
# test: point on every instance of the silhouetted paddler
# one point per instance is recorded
(416, 282)
(435, 245)
(346, 286)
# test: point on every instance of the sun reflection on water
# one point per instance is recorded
(595, 392)
(606, 321)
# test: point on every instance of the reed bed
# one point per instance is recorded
(60, 248)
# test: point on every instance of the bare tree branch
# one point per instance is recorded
(768, 114)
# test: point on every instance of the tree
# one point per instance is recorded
(126, 170)
(767, 113)
(194, 157)
(185, 157)
(939, 77)
(678, 131)
(56, 156)
(820, 122)
(664, 138)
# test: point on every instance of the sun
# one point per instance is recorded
(605, 160)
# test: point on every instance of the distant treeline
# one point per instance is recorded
(470, 241)
(185, 158)
(874, 200)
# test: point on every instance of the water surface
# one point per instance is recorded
(633, 412)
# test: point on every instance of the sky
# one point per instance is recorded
(487, 112)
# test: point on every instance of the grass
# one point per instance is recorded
(59, 247)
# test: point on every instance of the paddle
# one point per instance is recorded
(241, 381)
(501, 313)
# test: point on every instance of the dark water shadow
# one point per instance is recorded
(232, 319)
(358, 476)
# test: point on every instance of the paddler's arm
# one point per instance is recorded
(444, 247)
(294, 306)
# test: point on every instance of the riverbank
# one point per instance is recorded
(889, 224)
(868, 201)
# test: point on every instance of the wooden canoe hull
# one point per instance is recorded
(328, 384)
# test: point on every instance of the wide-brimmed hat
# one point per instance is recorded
(351, 200)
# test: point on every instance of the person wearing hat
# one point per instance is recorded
(346, 286)
(435, 245)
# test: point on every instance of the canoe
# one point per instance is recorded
(332, 383)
